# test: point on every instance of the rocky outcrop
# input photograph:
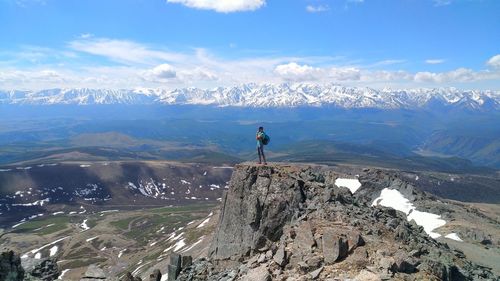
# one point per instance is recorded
(47, 270)
(10, 267)
(282, 222)
(176, 264)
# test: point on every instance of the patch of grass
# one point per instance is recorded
(92, 223)
(84, 252)
(194, 234)
(83, 262)
(39, 225)
(123, 223)
(185, 208)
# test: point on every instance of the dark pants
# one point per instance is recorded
(260, 151)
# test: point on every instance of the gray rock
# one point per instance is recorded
(304, 240)
(315, 274)
(258, 274)
(173, 272)
(280, 256)
(254, 210)
(175, 260)
(403, 263)
(435, 268)
(262, 258)
(313, 262)
(186, 261)
(354, 240)
(334, 247)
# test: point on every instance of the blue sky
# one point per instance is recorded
(208, 43)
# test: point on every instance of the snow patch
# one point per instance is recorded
(62, 274)
(121, 253)
(454, 236)
(93, 238)
(53, 250)
(84, 225)
(394, 199)
(351, 184)
(194, 244)
(181, 243)
(203, 223)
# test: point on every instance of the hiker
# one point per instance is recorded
(260, 136)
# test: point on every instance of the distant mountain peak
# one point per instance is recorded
(265, 95)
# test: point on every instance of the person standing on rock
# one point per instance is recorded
(261, 136)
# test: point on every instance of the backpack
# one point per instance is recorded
(266, 139)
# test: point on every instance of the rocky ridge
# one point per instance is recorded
(283, 222)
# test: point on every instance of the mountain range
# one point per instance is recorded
(265, 95)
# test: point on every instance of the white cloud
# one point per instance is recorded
(442, 2)
(317, 9)
(86, 35)
(344, 74)
(296, 72)
(494, 61)
(142, 65)
(198, 74)
(387, 76)
(222, 6)
(434, 61)
(161, 73)
(388, 62)
(124, 51)
(459, 75)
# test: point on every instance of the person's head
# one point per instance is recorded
(261, 129)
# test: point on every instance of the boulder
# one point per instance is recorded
(404, 263)
(334, 247)
(304, 239)
(280, 256)
(260, 273)
(315, 274)
(354, 240)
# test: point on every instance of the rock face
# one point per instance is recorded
(283, 222)
(47, 270)
(10, 267)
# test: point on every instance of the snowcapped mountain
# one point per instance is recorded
(265, 95)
